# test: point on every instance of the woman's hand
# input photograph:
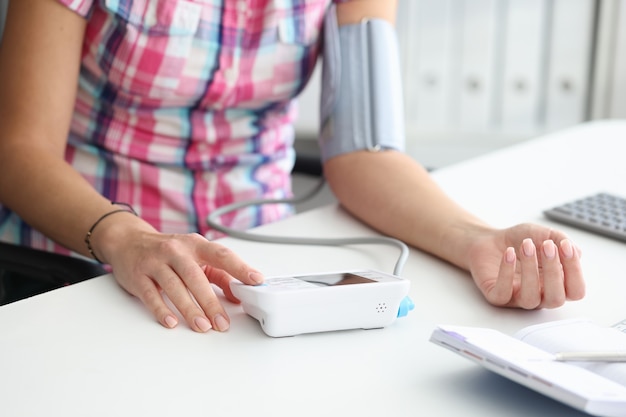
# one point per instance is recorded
(527, 266)
(181, 267)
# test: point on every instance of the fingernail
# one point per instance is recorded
(221, 323)
(170, 322)
(528, 247)
(566, 247)
(548, 249)
(509, 255)
(202, 323)
(256, 277)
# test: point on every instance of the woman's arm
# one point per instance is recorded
(527, 266)
(356, 10)
(39, 64)
(39, 67)
(374, 185)
(394, 194)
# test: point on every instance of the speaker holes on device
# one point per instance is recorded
(381, 308)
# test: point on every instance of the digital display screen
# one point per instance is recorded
(331, 280)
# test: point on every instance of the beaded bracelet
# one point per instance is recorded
(128, 209)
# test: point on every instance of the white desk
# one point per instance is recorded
(92, 350)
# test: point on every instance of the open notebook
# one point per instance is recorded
(529, 358)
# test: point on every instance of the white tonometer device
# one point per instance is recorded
(291, 305)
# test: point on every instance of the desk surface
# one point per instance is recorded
(92, 350)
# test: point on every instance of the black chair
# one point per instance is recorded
(308, 160)
(25, 272)
(3, 14)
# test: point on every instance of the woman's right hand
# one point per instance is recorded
(183, 268)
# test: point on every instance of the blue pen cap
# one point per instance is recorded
(406, 305)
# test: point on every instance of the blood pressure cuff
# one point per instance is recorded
(361, 103)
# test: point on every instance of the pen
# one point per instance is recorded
(592, 356)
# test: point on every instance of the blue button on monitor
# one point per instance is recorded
(406, 305)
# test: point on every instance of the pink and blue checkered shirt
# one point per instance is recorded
(186, 105)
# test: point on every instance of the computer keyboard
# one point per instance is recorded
(602, 213)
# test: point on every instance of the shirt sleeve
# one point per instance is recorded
(82, 7)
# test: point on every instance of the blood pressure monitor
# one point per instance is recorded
(291, 305)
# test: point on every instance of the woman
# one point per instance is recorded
(184, 106)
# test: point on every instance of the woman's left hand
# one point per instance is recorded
(527, 266)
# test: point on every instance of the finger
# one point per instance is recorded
(560, 237)
(222, 279)
(223, 258)
(553, 288)
(148, 292)
(530, 290)
(202, 290)
(502, 293)
(572, 270)
(177, 291)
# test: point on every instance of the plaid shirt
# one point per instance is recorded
(186, 105)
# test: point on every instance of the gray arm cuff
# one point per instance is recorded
(361, 104)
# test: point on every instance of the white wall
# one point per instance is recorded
(609, 81)
(482, 74)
